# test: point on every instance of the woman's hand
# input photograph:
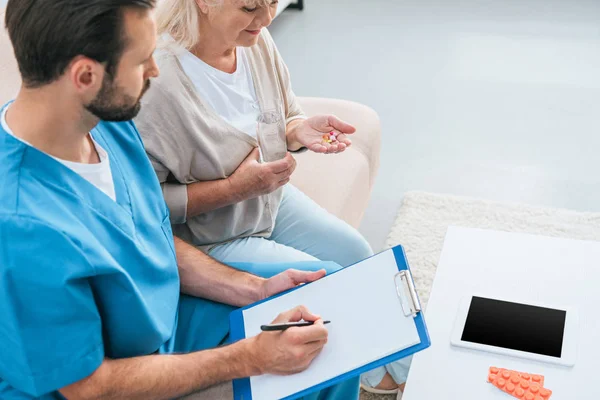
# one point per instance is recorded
(309, 133)
(253, 178)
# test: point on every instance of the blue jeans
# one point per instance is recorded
(303, 231)
(203, 324)
(397, 370)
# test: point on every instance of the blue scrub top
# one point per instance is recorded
(82, 277)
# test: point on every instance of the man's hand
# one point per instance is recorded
(252, 178)
(309, 133)
(290, 351)
(174, 376)
(288, 280)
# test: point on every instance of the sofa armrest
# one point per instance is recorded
(342, 183)
(10, 79)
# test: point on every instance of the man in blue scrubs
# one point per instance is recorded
(97, 299)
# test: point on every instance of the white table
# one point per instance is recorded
(532, 268)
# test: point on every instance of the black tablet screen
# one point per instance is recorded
(515, 326)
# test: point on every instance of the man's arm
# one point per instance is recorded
(164, 376)
(203, 276)
(171, 376)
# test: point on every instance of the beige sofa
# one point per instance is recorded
(340, 183)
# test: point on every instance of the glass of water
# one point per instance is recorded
(270, 132)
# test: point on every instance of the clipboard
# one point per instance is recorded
(403, 289)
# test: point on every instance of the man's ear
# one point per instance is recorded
(202, 6)
(85, 74)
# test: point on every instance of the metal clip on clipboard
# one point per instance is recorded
(407, 293)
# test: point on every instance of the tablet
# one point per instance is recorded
(534, 331)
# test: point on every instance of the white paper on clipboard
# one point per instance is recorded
(367, 323)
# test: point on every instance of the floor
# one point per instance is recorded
(497, 99)
(370, 396)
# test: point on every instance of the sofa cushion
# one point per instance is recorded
(10, 79)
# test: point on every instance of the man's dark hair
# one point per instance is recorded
(48, 34)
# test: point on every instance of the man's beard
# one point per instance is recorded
(112, 106)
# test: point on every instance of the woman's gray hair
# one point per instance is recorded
(179, 18)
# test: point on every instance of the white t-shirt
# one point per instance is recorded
(232, 96)
(99, 175)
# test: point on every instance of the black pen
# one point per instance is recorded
(287, 325)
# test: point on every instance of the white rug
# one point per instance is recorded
(423, 219)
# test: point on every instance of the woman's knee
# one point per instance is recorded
(353, 247)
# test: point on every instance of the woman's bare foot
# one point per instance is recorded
(388, 383)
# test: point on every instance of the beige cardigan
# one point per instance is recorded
(188, 142)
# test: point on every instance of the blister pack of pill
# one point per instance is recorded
(520, 385)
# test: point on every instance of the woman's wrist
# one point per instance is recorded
(292, 143)
(235, 193)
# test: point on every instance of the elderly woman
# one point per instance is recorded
(219, 124)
